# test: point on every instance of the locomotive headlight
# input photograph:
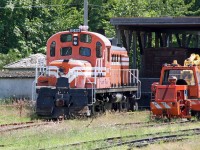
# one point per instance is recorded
(83, 28)
(75, 40)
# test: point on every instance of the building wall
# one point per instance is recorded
(144, 102)
(16, 88)
(22, 88)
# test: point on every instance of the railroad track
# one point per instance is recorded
(175, 136)
(151, 124)
(16, 123)
(133, 140)
(22, 125)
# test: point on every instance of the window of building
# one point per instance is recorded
(98, 50)
(53, 49)
(86, 38)
(85, 51)
(65, 51)
(65, 37)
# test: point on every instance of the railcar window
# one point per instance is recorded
(86, 38)
(52, 49)
(66, 38)
(98, 50)
(65, 51)
(85, 51)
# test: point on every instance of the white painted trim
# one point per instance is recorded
(125, 63)
(115, 63)
(156, 105)
(165, 105)
(125, 59)
(120, 64)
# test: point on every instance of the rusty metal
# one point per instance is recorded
(22, 125)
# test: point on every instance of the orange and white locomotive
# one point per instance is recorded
(84, 74)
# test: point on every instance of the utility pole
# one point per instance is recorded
(85, 12)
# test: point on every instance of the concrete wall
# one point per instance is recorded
(16, 88)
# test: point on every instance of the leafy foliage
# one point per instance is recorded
(26, 25)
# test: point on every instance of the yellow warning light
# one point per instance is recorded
(175, 62)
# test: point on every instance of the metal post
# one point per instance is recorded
(134, 50)
(86, 12)
(118, 34)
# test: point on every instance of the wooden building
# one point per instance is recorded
(151, 42)
(155, 41)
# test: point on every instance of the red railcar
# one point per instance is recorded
(84, 74)
(177, 94)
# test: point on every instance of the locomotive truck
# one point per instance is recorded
(84, 75)
(177, 94)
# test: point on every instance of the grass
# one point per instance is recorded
(10, 114)
(57, 136)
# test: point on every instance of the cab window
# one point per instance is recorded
(65, 51)
(65, 37)
(86, 38)
(184, 77)
(98, 50)
(52, 49)
(85, 51)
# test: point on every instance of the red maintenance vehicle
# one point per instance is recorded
(177, 94)
(84, 75)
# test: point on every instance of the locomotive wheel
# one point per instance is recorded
(132, 104)
(97, 109)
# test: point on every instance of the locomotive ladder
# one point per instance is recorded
(135, 74)
(40, 69)
(128, 76)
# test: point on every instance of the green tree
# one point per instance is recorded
(26, 25)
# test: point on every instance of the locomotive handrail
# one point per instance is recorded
(76, 71)
(33, 96)
(92, 83)
(40, 68)
(138, 83)
(93, 94)
(52, 70)
(133, 76)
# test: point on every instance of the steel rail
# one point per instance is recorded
(17, 126)
(112, 140)
(152, 140)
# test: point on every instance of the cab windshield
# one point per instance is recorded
(184, 77)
